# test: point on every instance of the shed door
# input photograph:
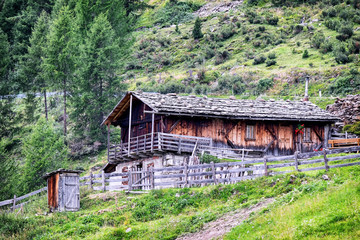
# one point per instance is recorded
(72, 193)
(285, 144)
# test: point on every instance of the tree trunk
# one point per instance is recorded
(45, 103)
(65, 132)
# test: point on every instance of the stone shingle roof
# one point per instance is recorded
(172, 104)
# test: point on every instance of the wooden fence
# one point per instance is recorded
(18, 199)
(214, 173)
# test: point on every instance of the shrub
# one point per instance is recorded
(273, 20)
(354, 128)
(318, 39)
(172, 87)
(177, 30)
(272, 55)
(263, 85)
(345, 32)
(197, 34)
(332, 24)
(329, 12)
(327, 46)
(341, 58)
(298, 29)
(221, 57)
(259, 60)
(209, 52)
(270, 62)
(174, 12)
(227, 32)
(305, 54)
(262, 29)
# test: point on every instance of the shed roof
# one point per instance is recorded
(61, 170)
(172, 104)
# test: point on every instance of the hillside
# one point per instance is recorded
(305, 206)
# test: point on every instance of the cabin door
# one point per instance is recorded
(285, 143)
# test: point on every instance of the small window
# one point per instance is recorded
(250, 132)
(307, 134)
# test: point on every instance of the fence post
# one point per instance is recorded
(152, 178)
(14, 203)
(213, 172)
(186, 174)
(129, 180)
(265, 166)
(326, 161)
(91, 181)
(296, 161)
(103, 179)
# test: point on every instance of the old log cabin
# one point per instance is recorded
(161, 130)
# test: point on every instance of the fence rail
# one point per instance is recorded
(214, 173)
(18, 199)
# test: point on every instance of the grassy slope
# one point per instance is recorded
(182, 49)
(305, 204)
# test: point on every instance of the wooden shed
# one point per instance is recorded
(63, 190)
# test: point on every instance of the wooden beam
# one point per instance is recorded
(326, 135)
(152, 131)
(108, 141)
(130, 115)
(174, 125)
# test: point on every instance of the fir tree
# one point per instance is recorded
(32, 66)
(8, 171)
(44, 151)
(60, 54)
(98, 80)
(197, 34)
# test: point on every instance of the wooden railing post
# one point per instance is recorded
(213, 171)
(152, 132)
(159, 141)
(130, 180)
(186, 174)
(265, 167)
(296, 161)
(14, 203)
(91, 180)
(152, 173)
(103, 179)
(326, 161)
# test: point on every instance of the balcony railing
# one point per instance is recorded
(145, 145)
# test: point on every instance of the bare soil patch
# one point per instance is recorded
(218, 228)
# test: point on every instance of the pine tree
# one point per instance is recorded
(197, 34)
(8, 171)
(99, 82)
(4, 56)
(32, 66)
(60, 54)
(44, 151)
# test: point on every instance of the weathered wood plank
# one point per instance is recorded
(344, 165)
(31, 194)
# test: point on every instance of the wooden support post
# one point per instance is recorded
(14, 203)
(265, 167)
(108, 143)
(152, 178)
(326, 161)
(130, 114)
(213, 172)
(326, 135)
(103, 180)
(296, 161)
(186, 174)
(130, 180)
(152, 131)
(137, 144)
(91, 181)
(159, 141)
(179, 147)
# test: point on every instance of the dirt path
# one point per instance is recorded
(223, 225)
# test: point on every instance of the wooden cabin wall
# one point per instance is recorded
(140, 121)
(230, 132)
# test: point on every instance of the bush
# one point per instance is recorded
(174, 12)
(305, 54)
(329, 12)
(227, 32)
(332, 24)
(327, 46)
(272, 55)
(298, 29)
(354, 128)
(221, 57)
(341, 58)
(172, 87)
(263, 85)
(345, 33)
(207, 158)
(197, 34)
(273, 20)
(270, 62)
(234, 83)
(259, 60)
(262, 29)
(318, 39)
(209, 52)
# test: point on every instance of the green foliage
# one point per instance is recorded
(197, 34)
(305, 54)
(44, 151)
(318, 39)
(227, 31)
(346, 32)
(175, 12)
(207, 158)
(270, 62)
(263, 85)
(346, 84)
(172, 87)
(8, 169)
(353, 128)
(234, 83)
(97, 81)
(4, 54)
(259, 60)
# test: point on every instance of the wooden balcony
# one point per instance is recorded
(147, 145)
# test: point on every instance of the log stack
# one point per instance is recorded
(348, 108)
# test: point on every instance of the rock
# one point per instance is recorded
(325, 177)
(128, 230)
